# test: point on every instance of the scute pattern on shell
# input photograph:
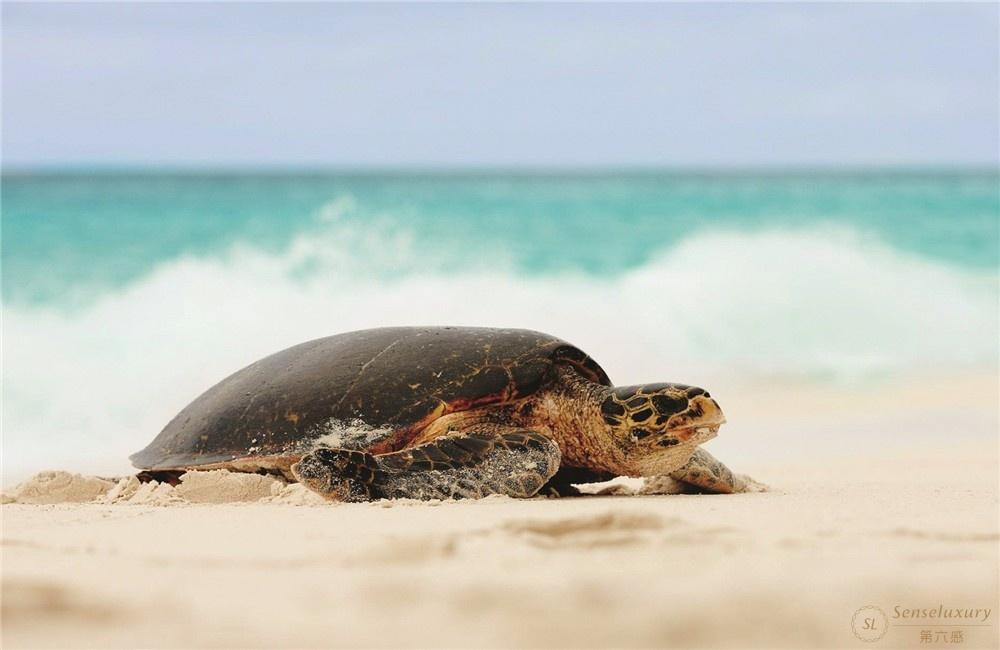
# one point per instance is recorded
(398, 379)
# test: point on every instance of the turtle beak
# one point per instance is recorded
(702, 411)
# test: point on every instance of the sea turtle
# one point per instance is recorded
(442, 412)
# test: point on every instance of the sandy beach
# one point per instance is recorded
(252, 236)
(901, 526)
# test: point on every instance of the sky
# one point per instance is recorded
(355, 85)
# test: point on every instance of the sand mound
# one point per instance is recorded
(58, 487)
(216, 486)
(220, 486)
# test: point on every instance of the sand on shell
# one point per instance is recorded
(225, 560)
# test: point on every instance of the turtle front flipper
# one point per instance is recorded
(339, 474)
(707, 473)
(516, 463)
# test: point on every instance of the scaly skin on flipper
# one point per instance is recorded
(339, 474)
(514, 463)
(704, 471)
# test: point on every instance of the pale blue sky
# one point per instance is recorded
(526, 84)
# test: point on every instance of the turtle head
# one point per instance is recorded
(658, 426)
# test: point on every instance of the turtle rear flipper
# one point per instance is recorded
(515, 463)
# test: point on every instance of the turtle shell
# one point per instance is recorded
(371, 389)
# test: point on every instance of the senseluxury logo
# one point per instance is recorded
(869, 623)
(937, 624)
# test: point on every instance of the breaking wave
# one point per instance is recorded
(826, 304)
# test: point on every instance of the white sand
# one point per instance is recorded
(905, 519)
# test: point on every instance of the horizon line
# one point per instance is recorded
(415, 169)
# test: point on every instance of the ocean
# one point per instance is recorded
(125, 294)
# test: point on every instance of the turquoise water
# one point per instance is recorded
(69, 238)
